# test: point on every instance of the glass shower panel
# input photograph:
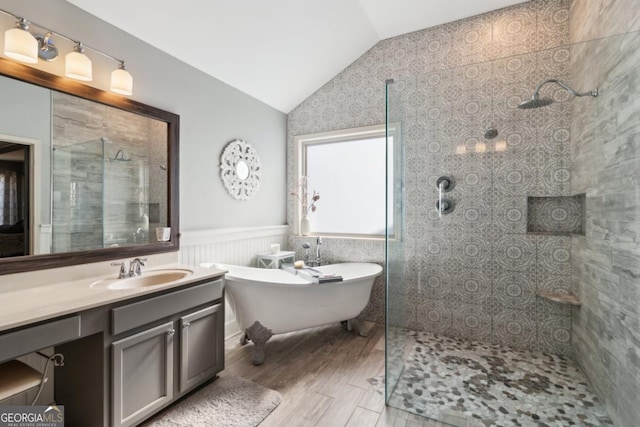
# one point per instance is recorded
(126, 195)
(77, 184)
(394, 241)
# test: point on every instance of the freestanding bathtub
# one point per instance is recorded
(270, 301)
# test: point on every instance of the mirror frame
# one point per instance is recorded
(20, 264)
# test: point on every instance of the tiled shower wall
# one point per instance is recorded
(605, 137)
(475, 272)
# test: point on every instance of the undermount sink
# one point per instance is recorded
(148, 278)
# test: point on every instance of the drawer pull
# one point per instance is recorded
(171, 332)
(186, 325)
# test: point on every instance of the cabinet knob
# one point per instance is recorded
(170, 332)
(185, 325)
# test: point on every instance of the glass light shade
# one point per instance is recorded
(78, 66)
(20, 45)
(121, 82)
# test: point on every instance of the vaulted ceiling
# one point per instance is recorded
(278, 51)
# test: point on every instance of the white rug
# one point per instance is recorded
(226, 402)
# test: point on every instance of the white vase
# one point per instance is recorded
(305, 226)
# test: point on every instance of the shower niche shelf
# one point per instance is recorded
(560, 298)
(556, 216)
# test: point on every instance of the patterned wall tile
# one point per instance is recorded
(472, 286)
(516, 291)
(434, 316)
(515, 174)
(435, 47)
(510, 214)
(515, 328)
(554, 335)
(514, 30)
(553, 23)
(472, 250)
(555, 214)
(515, 253)
(451, 89)
(472, 41)
(471, 321)
(554, 254)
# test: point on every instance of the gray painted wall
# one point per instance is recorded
(212, 114)
(605, 141)
(25, 111)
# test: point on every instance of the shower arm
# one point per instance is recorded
(536, 94)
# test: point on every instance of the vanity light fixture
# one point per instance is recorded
(121, 81)
(22, 46)
(19, 44)
(77, 65)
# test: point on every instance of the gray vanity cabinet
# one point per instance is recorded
(201, 353)
(142, 374)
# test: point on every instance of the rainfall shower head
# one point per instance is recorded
(537, 102)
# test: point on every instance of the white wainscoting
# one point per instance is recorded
(237, 246)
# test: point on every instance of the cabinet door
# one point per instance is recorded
(142, 374)
(201, 346)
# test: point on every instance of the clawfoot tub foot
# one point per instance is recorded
(259, 335)
(359, 327)
(244, 338)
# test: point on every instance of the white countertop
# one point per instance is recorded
(24, 306)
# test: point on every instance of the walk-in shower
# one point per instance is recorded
(99, 181)
(471, 335)
(537, 102)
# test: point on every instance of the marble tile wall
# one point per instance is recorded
(130, 186)
(605, 141)
(472, 274)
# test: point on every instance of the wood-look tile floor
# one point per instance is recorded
(322, 375)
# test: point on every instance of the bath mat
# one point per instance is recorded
(226, 402)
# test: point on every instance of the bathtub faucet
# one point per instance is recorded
(306, 246)
(318, 243)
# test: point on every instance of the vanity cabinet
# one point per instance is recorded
(201, 355)
(142, 374)
(181, 345)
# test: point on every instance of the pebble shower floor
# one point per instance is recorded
(492, 385)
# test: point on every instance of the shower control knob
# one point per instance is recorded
(445, 206)
(446, 183)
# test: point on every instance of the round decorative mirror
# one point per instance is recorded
(240, 169)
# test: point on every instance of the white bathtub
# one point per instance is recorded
(283, 302)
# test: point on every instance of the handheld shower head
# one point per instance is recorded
(537, 102)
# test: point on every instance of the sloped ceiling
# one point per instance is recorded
(278, 51)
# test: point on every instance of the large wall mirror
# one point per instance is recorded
(85, 175)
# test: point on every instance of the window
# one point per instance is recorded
(348, 169)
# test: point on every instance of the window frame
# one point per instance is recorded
(301, 142)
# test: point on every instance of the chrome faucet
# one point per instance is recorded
(135, 267)
(318, 243)
(122, 274)
(306, 246)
